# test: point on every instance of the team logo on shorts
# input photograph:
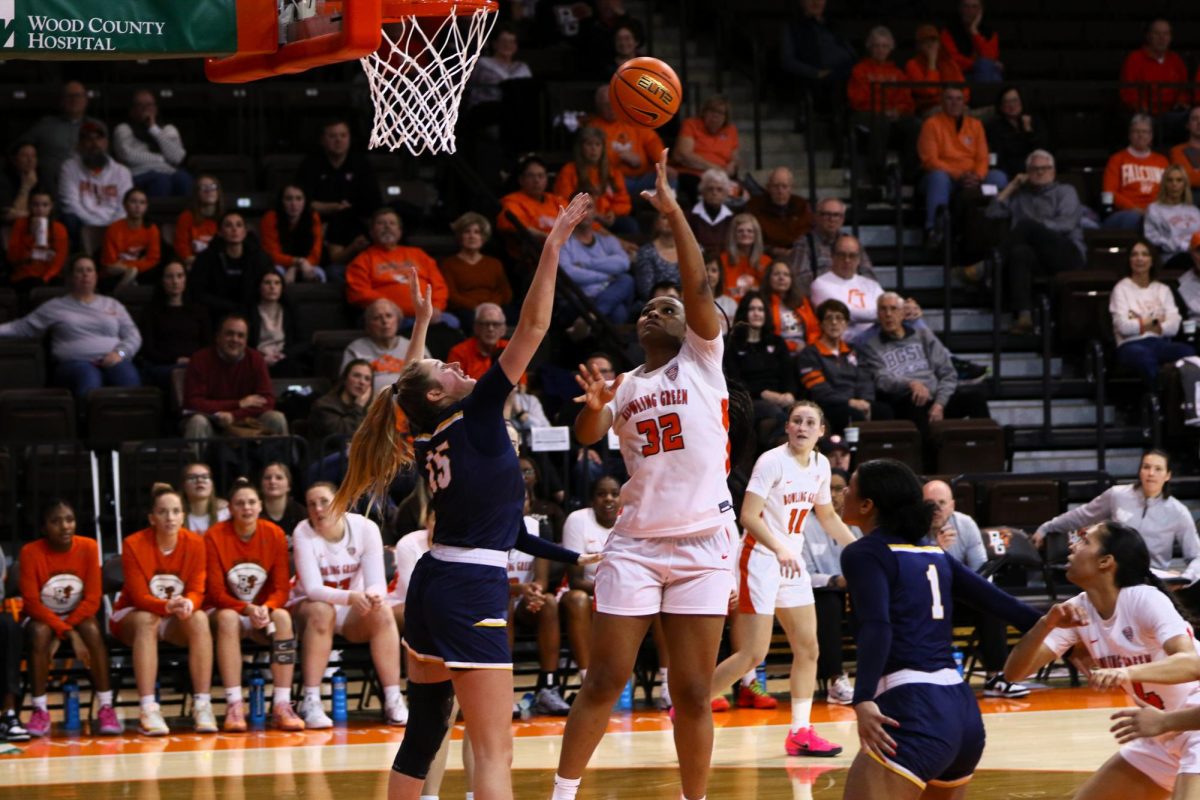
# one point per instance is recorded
(164, 587)
(63, 593)
(1127, 632)
(245, 580)
(672, 372)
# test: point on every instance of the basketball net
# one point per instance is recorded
(418, 75)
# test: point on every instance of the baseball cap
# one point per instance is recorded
(93, 127)
(1195, 240)
(926, 32)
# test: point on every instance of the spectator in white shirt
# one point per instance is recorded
(1172, 219)
(1145, 318)
(154, 153)
(1189, 282)
(91, 184)
(844, 284)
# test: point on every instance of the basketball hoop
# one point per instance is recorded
(418, 74)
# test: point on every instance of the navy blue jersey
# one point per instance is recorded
(903, 602)
(473, 474)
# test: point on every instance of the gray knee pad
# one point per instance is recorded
(283, 651)
(429, 706)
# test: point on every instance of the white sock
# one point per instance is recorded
(312, 694)
(202, 697)
(801, 713)
(565, 788)
(283, 694)
(683, 796)
(470, 796)
(105, 698)
(145, 701)
(233, 694)
(40, 703)
(801, 789)
(429, 797)
(749, 678)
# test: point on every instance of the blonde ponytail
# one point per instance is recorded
(378, 452)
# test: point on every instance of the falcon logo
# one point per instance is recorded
(164, 587)
(63, 593)
(245, 580)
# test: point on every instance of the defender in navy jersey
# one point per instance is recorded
(918, 722)
(457, 601)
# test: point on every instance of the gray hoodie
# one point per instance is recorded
(918, 356)
(1162, 521)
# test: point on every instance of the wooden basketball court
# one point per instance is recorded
(1042, 746)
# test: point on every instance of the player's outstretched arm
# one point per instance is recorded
(1147, 722)
(698, 305)
(422, 313)
(539, 302)
(1031, 653)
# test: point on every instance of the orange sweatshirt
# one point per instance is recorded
(615, 199)
(625, 137)
(61, 589)
(192, 236)
(1134, 180)
(740, 276)
(1189, 160)
(803, 315)
(869, 71)
(27, 261)
(153, 577)
(918, 71)
(243, 572)
(269, 233)
(953, 148)
(376, 273)
(534, 214)
(129, 247)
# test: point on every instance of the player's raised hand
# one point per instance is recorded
(1138, 723)
(597, 392)
(422, 301)
(1112, 678)
(871, 732)
(1066, 615)
(663, 196)
(575, 212)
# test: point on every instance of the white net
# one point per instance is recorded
(417, 78)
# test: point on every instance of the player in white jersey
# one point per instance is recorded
(1132, 630)
(340, 588)
(671, 550)
(788, 482)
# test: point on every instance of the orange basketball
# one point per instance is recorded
(645, 91)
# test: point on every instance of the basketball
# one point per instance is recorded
(645, 91)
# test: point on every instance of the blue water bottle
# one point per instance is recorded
(761, 672)
(258, 701)
(625, 701)
(958, 662)
(339, 697)
(71, 706)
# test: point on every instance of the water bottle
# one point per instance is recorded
(625, 701)
(339, 697)
(71, 706)
(525, 706)
(258, 701)
(761, 672)
(958, 662)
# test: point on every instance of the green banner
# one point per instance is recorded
(116, 28)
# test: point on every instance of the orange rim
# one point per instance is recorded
(397, 10)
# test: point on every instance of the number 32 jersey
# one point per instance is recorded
(1143, 621)
(673, 426)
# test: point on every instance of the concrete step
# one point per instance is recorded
(916, 276)
(1120, 462)
(1064, 413)
(1018, 365)
(885, 236)
(962, 320)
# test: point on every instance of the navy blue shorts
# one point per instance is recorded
(458, 614)
(941, 736)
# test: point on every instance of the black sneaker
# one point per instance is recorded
(11, 728)
(969, 371)
(996, 686)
